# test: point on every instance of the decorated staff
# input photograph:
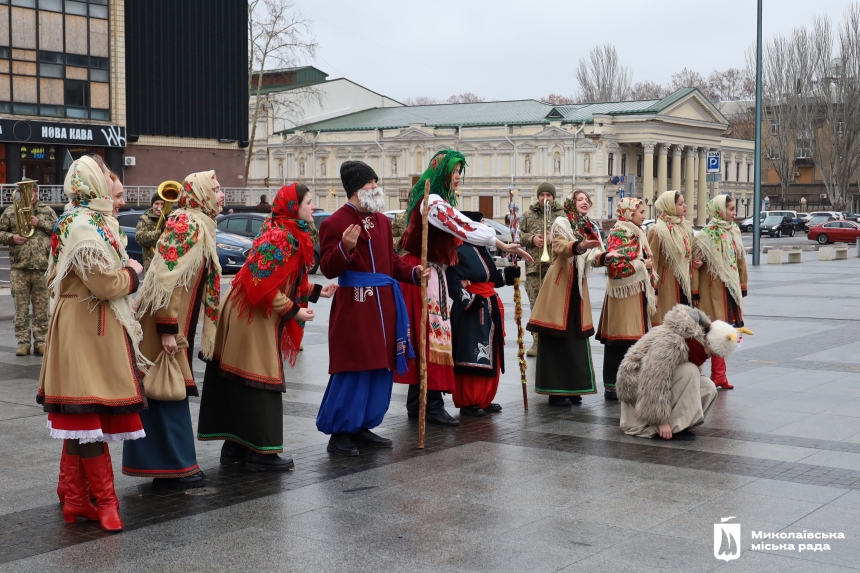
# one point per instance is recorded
(422, 329)
(514, 222)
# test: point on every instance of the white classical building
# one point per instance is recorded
(642, 147)
(288, 103)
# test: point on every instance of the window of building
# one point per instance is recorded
(774, 153)
(727, 172)
(738, 171)
(37, 77)
(749, 172)
(638, 166)
(610, 163)
(624, 164)
(774, 128)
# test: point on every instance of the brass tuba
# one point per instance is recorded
(547, 211)
(22, 199)
(169, 193)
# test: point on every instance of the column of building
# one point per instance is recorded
(677, 156)
(702, 201)
(648, 170)
(689, 180)
(662, 161)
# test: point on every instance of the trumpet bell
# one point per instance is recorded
(22, 200)
(169, 191)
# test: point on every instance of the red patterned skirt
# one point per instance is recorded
(95, 427)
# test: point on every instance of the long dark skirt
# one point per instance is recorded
(167, 451)
(229, 410)
(564, 366)
(613, 354)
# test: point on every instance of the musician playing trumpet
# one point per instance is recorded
(533, 231)
(148, 232)
(28, 256)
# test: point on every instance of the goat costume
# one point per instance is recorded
(660, 379)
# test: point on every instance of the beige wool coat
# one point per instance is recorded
(250, 352)
(669, 292)
(551, 310)
(90, 363)
(713, 296)
(180, 316)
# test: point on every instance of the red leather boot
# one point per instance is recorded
(100, 475)
(77, 499)
(61, 482)
(718, 373)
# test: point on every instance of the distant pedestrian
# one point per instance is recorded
(263, 206)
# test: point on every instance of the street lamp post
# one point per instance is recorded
(757, 186)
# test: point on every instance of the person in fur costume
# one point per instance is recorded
(660, 383)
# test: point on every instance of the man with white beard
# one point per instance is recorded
(368, 325)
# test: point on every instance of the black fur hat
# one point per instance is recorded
(475, 216)
(356, 174)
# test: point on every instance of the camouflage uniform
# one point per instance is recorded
(29, 262)
(531, 225)
(146, 234)
(398, 227)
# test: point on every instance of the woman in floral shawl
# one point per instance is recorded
(182, 285)
(90, 383)
(631, 295)
(671, 241)
(721, 283)
(562, 312)
(262, 323)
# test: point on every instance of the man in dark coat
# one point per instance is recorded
(263, 206)
(368, 324)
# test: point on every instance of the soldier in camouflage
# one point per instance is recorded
(398, 227)
(147, 232)
(532, 239)
(29, 262)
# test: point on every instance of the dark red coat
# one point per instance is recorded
(361, 325)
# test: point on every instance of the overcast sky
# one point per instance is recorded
(504, 50)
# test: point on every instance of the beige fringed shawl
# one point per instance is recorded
(676, 238)
(86, 238)
(628, 275)
(719, 244)
(187, 243)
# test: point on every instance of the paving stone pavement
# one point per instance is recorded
(544, 490)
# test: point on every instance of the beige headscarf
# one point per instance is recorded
(188, 241)
(88, 237)
(676, 240)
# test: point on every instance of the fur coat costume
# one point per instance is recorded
(646, 373)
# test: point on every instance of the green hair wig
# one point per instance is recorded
(439, 173)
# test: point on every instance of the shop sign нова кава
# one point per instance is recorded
(23, 131)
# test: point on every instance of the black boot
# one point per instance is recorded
(609, 394)
(493, 408)
(559, 401)
(367, 438)
(413, 395)
(187, 482)
(576, 399)
(268, 462)
(436, 413)
(341, 445)
(233, 453)
(473, 411)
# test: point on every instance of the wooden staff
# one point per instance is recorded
(518, 301)
(422, 329)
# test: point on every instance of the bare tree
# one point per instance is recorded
(556, 99)
(648, 90)
(278, 35)
(835, 115)
(687, 78)
(601, 77)
(779, 109)
(422, 100)
(466, 97)
(730, 85)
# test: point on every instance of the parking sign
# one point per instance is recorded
(713, 162)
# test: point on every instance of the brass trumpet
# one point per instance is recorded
(22, 199)
(168, 191)
(547, 211)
